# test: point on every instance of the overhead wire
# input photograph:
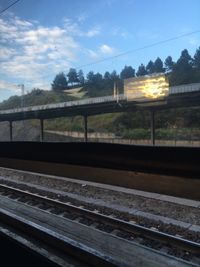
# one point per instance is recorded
(138, 49)
(132, 51)
(121, 54)
(2, 11)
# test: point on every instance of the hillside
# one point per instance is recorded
(173, 124)
(39, 97)
(36, 97)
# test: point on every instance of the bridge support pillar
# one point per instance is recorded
(11, 130)
(152, 127)
(41, 130)
(85, 129)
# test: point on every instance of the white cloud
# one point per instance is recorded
(75, 30)
(4, 85)
(92, 54)
(22, 23)
(193, 41)
(120, 32)
(82, 17)
(102, 51)
(6, 53)
(28, 51)
(106, 49)
(93, 32)
(33, 54)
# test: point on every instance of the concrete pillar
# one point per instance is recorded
(41, 130)
(85, 129)
(11, 130)
(152, 127)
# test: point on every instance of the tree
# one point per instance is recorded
(72, 76)
(197, 59)
(169, 64)
(114, 76)
(107, 76)
(141, 70)
(127, 72)
(150, 67)
(185, 58)
(59, 82)
(95, 84)
(183, 72)
(90, 77)
(98, 78)
(158, 65)
(81, 77)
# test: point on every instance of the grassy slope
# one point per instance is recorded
(130, 125)
(100, 123)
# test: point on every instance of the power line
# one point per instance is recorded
(2, 11)
(132, 51)
(138, 49)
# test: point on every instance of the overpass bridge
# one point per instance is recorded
(179, 96)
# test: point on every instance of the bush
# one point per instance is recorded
(165, 134)
(137, 134)
(76, 128)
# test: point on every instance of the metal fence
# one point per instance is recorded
(184, 88)
(121, 97)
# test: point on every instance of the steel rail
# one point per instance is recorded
(118, 224)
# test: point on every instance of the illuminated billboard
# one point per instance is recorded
(146, 87)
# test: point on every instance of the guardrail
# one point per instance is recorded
(121, 97)
(184, 88)
(87, 101)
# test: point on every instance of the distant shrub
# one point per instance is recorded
(76, 128)
(165, 134)
(137, 134)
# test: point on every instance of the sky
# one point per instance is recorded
(40, 38)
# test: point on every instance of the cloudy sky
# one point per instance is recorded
(40, 38)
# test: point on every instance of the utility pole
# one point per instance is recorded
(116, 92)
(22, 95)
(22, 103)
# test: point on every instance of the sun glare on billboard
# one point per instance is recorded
(146, 87)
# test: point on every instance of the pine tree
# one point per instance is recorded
(72, 76)
(158, 65)
(150, 67)
(114, 76)
(127, 72)
(141, 70)
(81, 77)
(107, 76)
(59, 82)
(90, 77)
(183, 71)
(197, 59)
(169, 64)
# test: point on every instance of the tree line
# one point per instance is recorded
(185, 70)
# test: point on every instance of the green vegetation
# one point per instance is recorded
(185, 70)
(182, 123)
(164, 134)
(36, 97)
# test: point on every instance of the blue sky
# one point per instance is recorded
(39, 38)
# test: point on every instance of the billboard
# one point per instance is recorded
(148, 87)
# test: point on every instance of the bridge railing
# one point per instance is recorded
(172, 90)
(87, 101)
(184, 88)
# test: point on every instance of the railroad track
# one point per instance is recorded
(173, 245)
